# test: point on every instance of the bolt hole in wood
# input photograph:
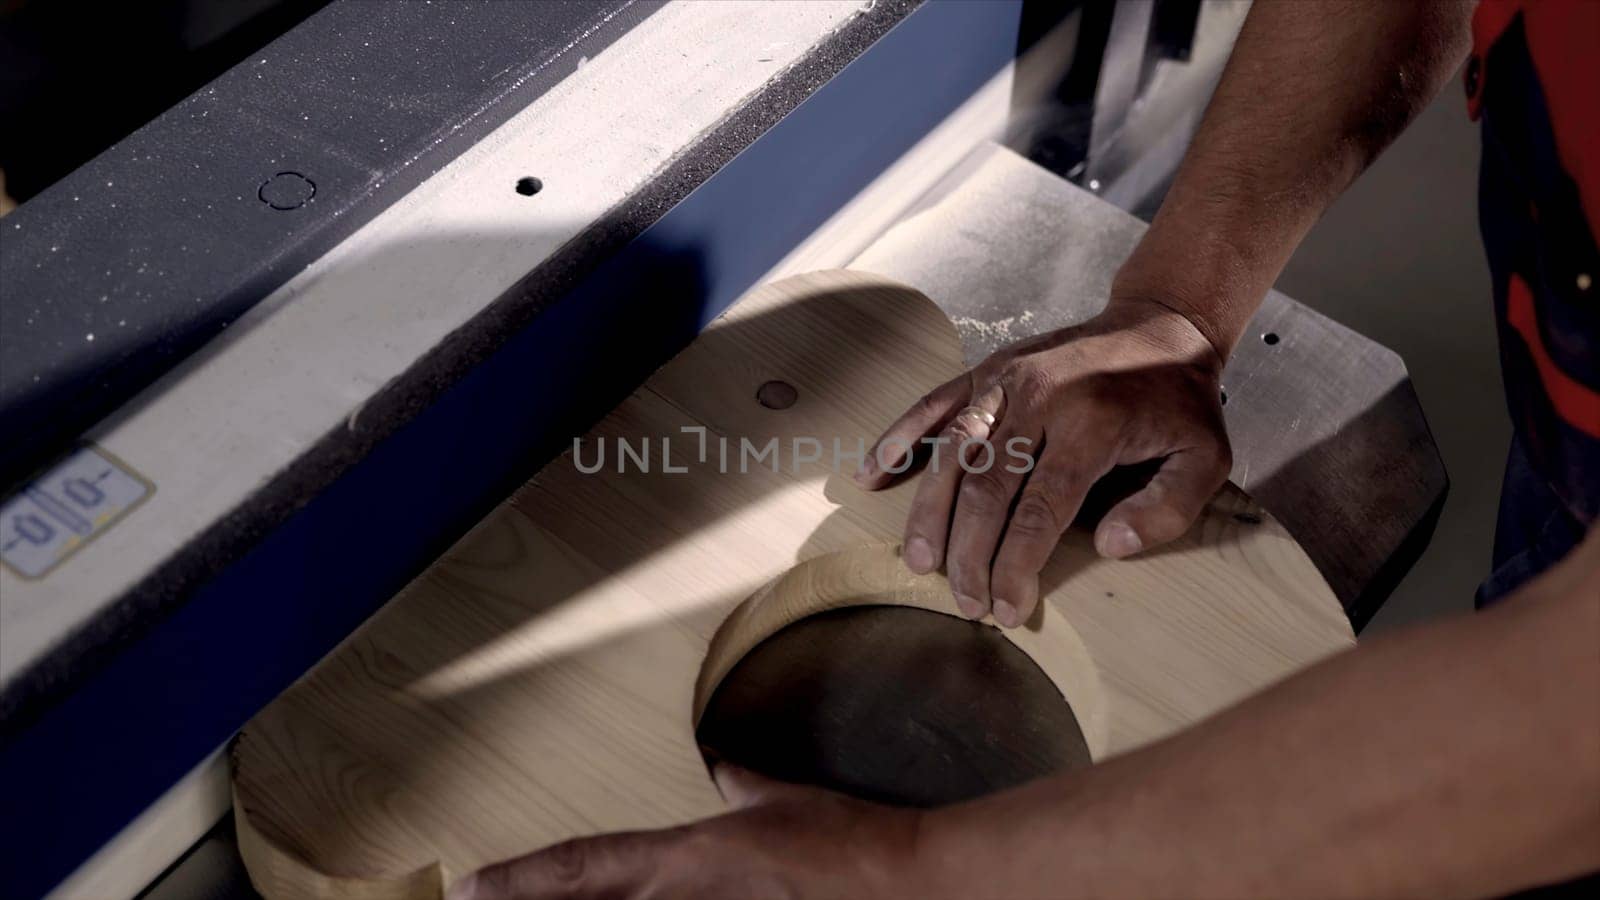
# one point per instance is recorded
(777, 395)
(892, 704)
(528, 185)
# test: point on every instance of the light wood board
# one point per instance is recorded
(542, 679)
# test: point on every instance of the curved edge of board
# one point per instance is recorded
(1147, 676)
(874, 575)
(281, 874)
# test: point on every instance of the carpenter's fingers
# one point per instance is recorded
(891, 453)
(1165, 507)
(1049, 501)
(928, 521)
(982, 507)
(612, 865)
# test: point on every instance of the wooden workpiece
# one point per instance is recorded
(543, 679)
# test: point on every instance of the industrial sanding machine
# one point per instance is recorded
(275, 350)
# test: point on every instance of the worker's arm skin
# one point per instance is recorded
(1461, 758)
(1312, 92)
(1458, 758)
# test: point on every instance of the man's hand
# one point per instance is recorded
(1137, 383)
(1369, 774)
(1312, 93)
(783, 841)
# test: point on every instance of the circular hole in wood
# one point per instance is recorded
(528, 185)
(777, 395)
(892, 704)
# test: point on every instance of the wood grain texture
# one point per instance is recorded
(543, 678)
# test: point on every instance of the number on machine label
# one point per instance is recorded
(55, 514)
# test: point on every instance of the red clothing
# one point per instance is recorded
(1534, 82)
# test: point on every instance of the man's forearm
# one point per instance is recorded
(1460, 758)
(1312, 93)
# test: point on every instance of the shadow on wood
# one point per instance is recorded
(894, 705)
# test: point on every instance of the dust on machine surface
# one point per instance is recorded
(336, 279)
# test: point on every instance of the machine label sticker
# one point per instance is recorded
(74, 502)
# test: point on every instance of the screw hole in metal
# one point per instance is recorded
(287, 190)
(1270, 338)
(528, 185)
